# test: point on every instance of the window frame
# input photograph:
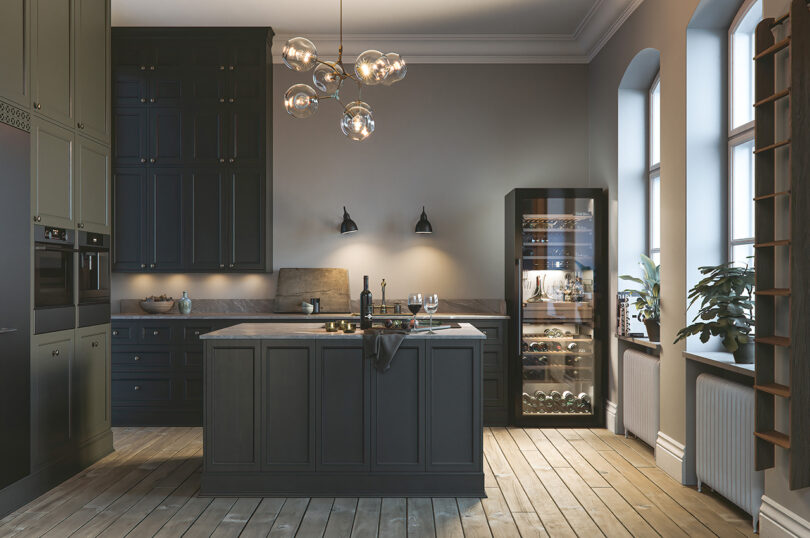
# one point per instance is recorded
(737, 136)
(653, 168)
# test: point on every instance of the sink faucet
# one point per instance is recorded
(383, 307)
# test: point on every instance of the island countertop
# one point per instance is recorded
(292, 331)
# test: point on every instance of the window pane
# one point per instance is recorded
(655, 212)
(742, 66)
(740, 255)
(742, 190)
(656, 257)
(655, 123)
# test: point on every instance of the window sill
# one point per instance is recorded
(721, 360)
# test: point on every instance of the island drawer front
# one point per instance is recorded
(140, 389)
(141, 360)
(124, 333)
(192, 333)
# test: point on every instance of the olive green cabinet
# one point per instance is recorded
(93, 68)
(52, 150)
(91, 382)
(92, 188)
(15, 30)
(52, 60)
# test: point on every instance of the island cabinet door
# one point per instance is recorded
(288, 405)
(454, 406)
(232, 388)
(342, 400)
(398, 411)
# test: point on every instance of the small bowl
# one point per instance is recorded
(331, 327)
(307, 308)
(350, 328)
(157, 307)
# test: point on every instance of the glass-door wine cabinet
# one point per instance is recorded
(556, 284)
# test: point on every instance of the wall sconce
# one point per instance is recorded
(423, 226)
(348, 225)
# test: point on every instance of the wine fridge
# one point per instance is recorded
(556, 291)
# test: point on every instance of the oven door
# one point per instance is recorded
(94, 276)
(53, 276)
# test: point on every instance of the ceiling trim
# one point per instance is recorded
(612, 29)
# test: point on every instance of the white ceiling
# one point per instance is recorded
(435, 31)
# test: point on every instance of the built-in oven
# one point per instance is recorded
(94, 279)
(54, 252)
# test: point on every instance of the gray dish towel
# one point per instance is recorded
(381, 345)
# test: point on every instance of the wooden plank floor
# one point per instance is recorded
(539, 482)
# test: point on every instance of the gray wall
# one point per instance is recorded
(454, 138)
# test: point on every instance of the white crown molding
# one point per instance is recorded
(598, 25)
(784, 521)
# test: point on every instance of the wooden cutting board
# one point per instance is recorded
(297, 285)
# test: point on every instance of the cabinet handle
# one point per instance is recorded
(231, 160)
(222, 68)
(151, 266)
(231, 99)
(152, 160)
(136, 358)
(93, 344)
(80, 125)
(115, 332)
(136, 387)
(221, 99)
(196, 333)
(143, 99)
(222, 160)
(55, 353)
(155, 333)
(151, 99)
(143, 160)
(222, 266)
(143, 68)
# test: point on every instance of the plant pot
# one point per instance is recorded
(744, 354)
(653, 329)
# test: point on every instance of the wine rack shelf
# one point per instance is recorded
(794, 258)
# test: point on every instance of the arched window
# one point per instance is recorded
(741, 132)
(654, 174)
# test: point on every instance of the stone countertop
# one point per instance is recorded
(271, 316)
(287, 331)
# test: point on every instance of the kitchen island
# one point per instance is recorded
(291, 410)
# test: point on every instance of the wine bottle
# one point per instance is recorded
(366, 307)
(556, 396)
(568, 396)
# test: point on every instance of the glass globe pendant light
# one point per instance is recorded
(371, 68)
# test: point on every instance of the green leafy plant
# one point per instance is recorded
(726, 305)
(648, 298)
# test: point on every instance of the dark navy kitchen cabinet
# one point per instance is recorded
(193, 100)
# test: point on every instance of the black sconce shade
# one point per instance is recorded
(348, 225)
(423, 226)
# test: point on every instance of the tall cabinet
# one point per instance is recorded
(190, 141)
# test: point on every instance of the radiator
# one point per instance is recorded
(725, 442)
(641, 395)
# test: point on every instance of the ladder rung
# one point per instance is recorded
(774, 388)
(773, 146)
(782, 292)
(773, 49)
(781, 341)
(775, 438)
(769, 244)
(771, 195)
(779, 20)
(774, 97)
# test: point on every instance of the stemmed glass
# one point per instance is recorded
(415, 305)
(431, 305)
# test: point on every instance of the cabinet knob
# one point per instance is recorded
(55, 353)
(136, 387)
(152, 160)
(93, 344)
(80, 125)
(222, 266)
(155, 333)
(143, 160)
(151, 99)
(221, 68)
(151, 67)
(151, 266)
(36, 219)
(231, 160)
(115, 333)
(143, 266)
(222, 160)
(37, 106)
(136, 358)
(143, 99)
(231, 99)
(221, 99)
(80, 225)
(196, 333)
(143, 68)
(231, 265)
(230, 68)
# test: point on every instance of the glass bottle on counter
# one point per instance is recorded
(366, 306)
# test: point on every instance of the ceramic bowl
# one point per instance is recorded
(157, 307)
(307, 308)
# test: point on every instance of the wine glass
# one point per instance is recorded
(431, 305)
(415, 305)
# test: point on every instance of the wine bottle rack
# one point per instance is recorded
(772, 251)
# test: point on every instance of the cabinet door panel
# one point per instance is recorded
(129, 87)
(165, 136)
(231, 396)
(454, 407)
(92, 186)
(15, 34)
(92, 384)
(399, 423)
(206, 136)
(52, 59)
(288, 377)
(246, 86)
(246, 222)
(51, 366)
(343, 408)
(206, 223)
(129, 230)
(166, 220)
(129, 136)
(92, 68)
(52, 171)
(246, 136)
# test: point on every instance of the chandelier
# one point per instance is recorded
(371, 68)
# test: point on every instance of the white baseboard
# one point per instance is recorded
(777, 521)
(612, 417)
(670, 455)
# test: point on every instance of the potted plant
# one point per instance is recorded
(726, 309)
(648, 298)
